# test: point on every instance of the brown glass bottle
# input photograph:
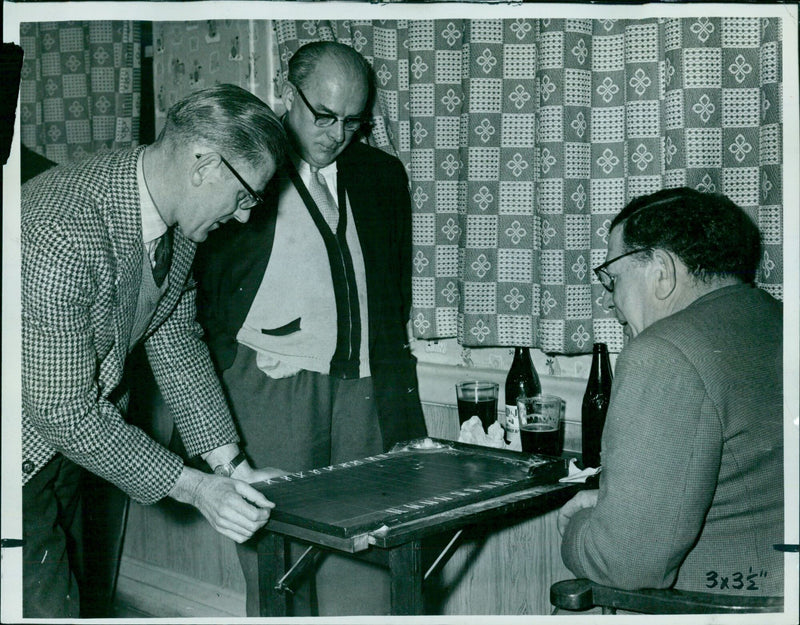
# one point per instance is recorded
(521, 381)
(595, 405)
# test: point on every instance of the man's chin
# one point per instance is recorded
(198, 236)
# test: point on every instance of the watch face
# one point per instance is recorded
(225, 470)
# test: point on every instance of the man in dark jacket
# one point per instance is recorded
(306, 312)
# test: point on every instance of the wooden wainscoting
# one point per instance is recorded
(157, 591)
(175, 565)
(509, 569)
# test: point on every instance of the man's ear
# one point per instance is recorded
(287, 95)
(664, 273)
(205, 168)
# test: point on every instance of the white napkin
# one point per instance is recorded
(578, 476)
(472, 432)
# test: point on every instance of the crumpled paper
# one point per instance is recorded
(578, 476)
(472, 432)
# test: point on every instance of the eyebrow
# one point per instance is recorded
(321, 108)
(324, 109)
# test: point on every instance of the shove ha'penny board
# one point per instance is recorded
(407, 483)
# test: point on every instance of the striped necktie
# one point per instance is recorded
(318, 189)
(163, 257)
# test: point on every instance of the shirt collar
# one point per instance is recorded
(304, 169)
(152, 224)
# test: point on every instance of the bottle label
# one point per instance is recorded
(512, 419)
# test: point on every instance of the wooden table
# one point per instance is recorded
(380, 509)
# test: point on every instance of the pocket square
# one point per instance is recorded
(289, 328)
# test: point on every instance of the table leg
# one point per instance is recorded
(271, 567)
(405, 569)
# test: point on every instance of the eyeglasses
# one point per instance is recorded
(326, 120)
(255, 198)
(606, 279)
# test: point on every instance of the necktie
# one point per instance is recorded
(163, 257)
(318, 189)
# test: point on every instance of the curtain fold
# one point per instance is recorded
(523, 139)
(80, 88)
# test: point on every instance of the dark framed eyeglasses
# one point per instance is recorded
(247, 203)
(326, 120)
(606, 279)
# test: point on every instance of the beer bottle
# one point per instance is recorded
(521, 381)
(595, 405)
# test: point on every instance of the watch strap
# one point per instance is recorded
(226, 469)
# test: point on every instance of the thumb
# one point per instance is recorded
(561, 523)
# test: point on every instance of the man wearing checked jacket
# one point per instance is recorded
(107, 246)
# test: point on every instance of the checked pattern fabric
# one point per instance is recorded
(523, 139)
(80, 87)
(320, 193)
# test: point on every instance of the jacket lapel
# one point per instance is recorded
(125, 230)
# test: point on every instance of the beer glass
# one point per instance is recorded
(541, 424)
(477, 398)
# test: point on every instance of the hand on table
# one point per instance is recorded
(232, 507)
(247, 474)
(584, 499)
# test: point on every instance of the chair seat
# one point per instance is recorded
(582, 594)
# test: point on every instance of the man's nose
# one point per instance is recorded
(608, 299)
(242, 215)
(336, 130)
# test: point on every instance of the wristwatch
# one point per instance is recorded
(227, 469)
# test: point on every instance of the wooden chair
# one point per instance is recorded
(582, 594)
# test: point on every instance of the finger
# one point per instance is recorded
(267, 473)
(233, 526)
(232, 519)
(239, 504)
(255, 497)
(234, 535)
(242, 512)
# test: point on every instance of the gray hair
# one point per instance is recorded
(234, 121)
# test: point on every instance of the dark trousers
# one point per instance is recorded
(52, 553)
(302, 422)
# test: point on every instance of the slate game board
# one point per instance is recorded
(407, 483)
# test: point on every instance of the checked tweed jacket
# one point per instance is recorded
(82, 255)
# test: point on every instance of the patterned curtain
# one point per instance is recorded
(80, 87)
(523, 139)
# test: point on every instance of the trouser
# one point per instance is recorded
(302, 422)
(51, 529)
